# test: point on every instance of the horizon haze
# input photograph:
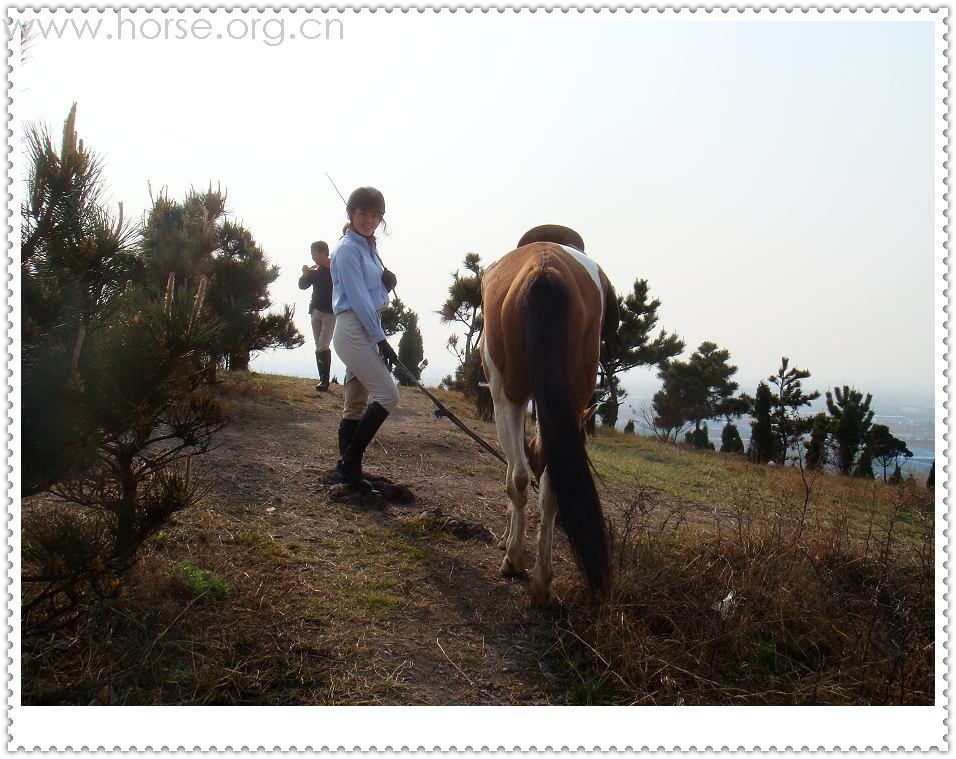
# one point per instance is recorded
(773, 180)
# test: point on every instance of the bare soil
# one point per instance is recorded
(354, 602)
(734, 583)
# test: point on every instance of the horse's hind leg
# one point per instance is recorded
(509, 419)
(503, 541)
(541, 591)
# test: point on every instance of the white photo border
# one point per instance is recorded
(369, 729)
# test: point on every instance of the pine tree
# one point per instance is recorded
(816, 448)
(699, 388)
(670, 412)
(730, 441)
(763, 443)
(194, 239)
(789, 397)
(109, 371)
(411, 351)
(897, 477)
(632, 345)
(864, 464)
(464, 306)
(608, 409)
(629, 427)
(75, 255)
(850, 420)
(180, 238)
(75, 260)
(395, 317)
(886, 449)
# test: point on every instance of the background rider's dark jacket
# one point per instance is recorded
(320, 280)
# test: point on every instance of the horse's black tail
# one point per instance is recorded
(559, 422)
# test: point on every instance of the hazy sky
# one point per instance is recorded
(772, 180)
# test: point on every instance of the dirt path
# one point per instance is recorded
(410, 614)
(273, 591)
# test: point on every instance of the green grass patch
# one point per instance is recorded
(711, 480)
(199, 582)
(377, 601)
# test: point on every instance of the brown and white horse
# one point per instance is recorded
(544, 309)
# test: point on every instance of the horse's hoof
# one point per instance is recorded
(510, 570)
(546, 599)
(542, 593)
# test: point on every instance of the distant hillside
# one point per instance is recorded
(910, 417)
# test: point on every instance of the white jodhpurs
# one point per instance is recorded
(322, 326)
(367, 379)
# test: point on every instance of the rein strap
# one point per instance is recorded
(443, 410)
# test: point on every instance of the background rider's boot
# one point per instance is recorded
(318, 366)
(324, 360)
(350, 463)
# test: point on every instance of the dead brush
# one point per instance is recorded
(73, 557)
(156, 645)
(783, 605)
(231, 385)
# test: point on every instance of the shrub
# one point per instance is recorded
(699, 438)
(730, 441)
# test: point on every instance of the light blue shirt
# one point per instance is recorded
(357, 283)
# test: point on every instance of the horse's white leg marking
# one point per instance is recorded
(503, 541)
(517, 486)
(542, 574)
(509, 421)
(494, 383)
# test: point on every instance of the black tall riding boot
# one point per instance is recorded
(325, 367)
(346, 430)
(350, 463)
(323, 360)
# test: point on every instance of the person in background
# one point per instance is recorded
(319, 278)
(359, 296)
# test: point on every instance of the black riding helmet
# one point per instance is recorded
(366, 197)
(369, 197)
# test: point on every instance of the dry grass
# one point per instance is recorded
(169, 641)
(288, 598)
(799, 592)
(252, 620)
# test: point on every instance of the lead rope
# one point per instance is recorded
(443, 410)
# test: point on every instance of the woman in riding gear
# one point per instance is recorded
(358, 299)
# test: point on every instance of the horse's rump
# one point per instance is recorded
(543, 313)
(504, 309)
